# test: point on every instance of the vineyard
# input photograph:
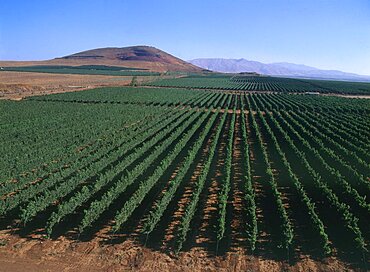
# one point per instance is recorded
(277, 175)
(265, 84)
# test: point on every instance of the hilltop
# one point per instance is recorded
(143, 57)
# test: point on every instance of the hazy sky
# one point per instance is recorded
(325, 34)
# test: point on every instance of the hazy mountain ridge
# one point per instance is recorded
(273, 69)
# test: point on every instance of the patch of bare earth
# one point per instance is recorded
(18, 85)
(38, 254)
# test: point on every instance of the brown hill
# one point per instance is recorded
(146, 57)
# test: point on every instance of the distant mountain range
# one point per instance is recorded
(273, 69)
(153, 59)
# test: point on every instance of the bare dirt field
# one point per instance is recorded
(38, 254)
(17, 85)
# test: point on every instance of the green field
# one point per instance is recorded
(278, 174)
(83, 70)
(265, 84)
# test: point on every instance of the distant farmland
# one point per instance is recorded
(266, 84)
(248, 164)
(83, 70)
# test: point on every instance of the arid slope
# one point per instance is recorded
(144, 57)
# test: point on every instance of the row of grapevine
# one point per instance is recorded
(251, 227)
(345, 168)
(307, 202)
(88, 191)
(96, 148)
(347, 141)
(349, 155)
(226, 182)
(335, 174)
(147, 184)
(97, 207)
(49, 196)
(191, 207)
(34, 146)
(161, 205)
(65, 173)
(125, 155)
(262, 84)
(286, 226)
(350, 221)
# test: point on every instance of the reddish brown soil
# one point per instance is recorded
(38, 254)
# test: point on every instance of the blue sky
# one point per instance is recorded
(326, 34)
